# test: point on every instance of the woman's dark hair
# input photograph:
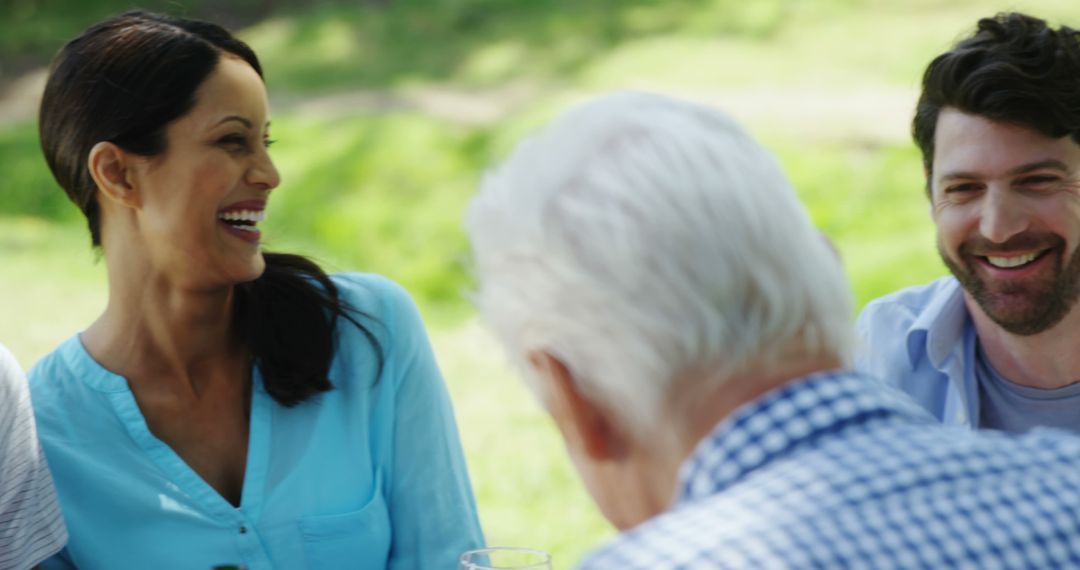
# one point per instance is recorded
(125, 80)
(1013, 69)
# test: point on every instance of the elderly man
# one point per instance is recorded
(649, 267)
(995, 345)
(31, 527)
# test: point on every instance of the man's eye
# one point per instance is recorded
(1038, 180)
(269, 142)
(961, 188)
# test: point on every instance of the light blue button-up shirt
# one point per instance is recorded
(368, 475)
(922, 340)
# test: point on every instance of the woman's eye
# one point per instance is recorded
(235, 141)
(269, 142)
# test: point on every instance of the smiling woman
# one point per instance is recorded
(229, 406)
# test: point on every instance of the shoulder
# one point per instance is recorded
(371, 294)
(32, 524)
(381, 304)
(55, 368)
(903, 307)
(65, 379)
(892, 327)
(14, 404)
(386, 311)
(12, 382)
(767, 521)
(8, 364)
(1059, 444)
(717, 530)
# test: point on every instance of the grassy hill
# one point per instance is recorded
(388, 112)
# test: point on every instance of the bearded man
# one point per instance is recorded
(995, 345)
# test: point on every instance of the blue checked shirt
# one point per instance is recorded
(839, 471)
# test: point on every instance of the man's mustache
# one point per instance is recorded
(1025, 241)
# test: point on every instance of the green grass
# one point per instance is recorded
(27, 187)
(871, 203)
(376, 191)
(387, 117)
(528, 492)
(50, 285)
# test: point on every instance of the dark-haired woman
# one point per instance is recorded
(229, 406)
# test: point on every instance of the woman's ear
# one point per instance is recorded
(110, 167)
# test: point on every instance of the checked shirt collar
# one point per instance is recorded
(771, 426)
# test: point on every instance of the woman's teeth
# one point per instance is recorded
(252, 216)
(243, 219)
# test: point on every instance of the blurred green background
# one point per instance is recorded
(388, 112)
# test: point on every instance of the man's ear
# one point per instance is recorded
(928, 186)
(582, 423)
(110, 167)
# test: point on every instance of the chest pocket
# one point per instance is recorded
(360, 539)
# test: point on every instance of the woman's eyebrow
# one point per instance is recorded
(247, 123)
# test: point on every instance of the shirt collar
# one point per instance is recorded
(771, 426)
(939, 327)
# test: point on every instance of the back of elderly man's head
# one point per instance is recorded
(637, 237)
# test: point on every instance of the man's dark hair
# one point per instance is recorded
(1013, 69)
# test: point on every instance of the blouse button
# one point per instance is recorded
(243, 530)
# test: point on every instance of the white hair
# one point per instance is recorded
(637, 237)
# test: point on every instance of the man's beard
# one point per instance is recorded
(1023, 307)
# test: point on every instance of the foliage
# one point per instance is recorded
(32, 30)
(389, 111)
(871, 203)
(27, 187)
(377, 181)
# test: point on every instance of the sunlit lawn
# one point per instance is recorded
(387, 119)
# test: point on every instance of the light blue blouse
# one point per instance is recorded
(368, 475)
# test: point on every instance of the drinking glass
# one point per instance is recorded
(505, 558)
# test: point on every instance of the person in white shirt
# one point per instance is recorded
(31, 526)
